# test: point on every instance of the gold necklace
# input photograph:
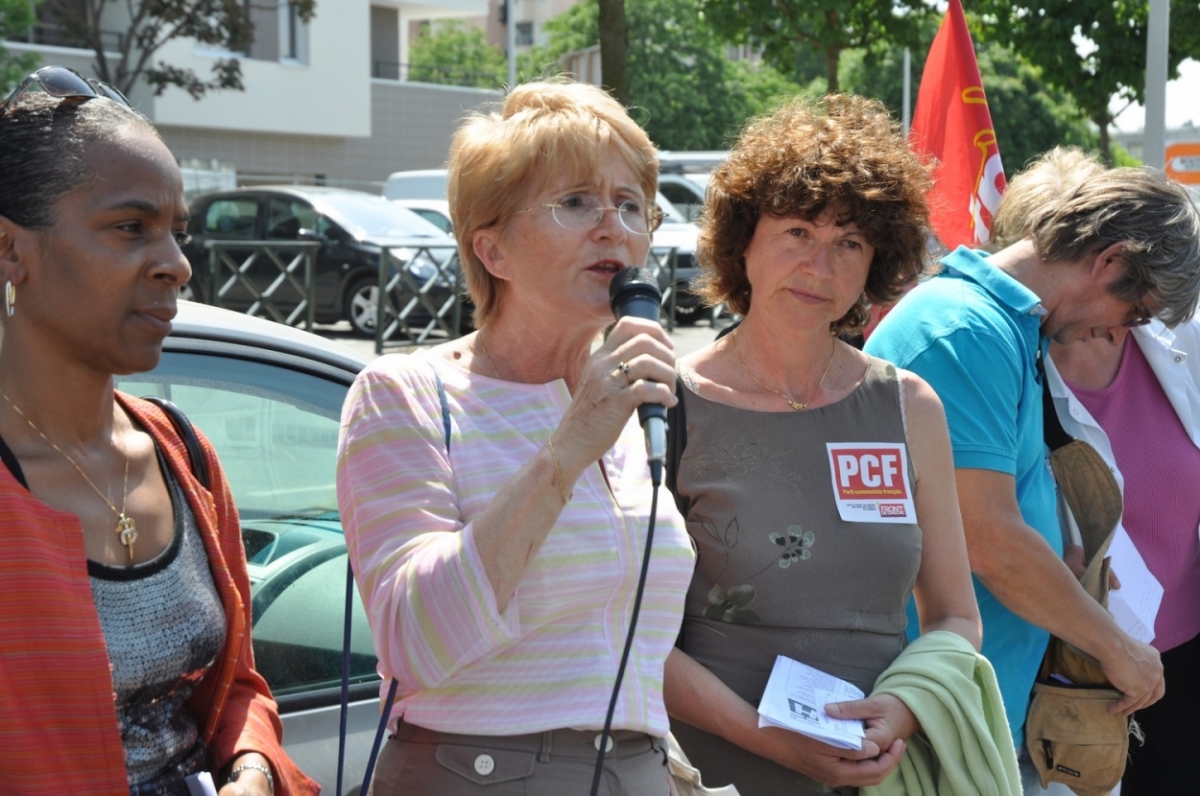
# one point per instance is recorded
(126, 527)
(483, 345)
(796, 405)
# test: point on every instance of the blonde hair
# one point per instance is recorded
(543, 133)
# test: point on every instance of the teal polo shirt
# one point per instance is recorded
(973, 333)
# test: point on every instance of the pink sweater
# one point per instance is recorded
(548, 660)
(1161, 467)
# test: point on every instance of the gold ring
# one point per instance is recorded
(624, 368)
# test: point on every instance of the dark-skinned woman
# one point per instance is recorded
(125, 654)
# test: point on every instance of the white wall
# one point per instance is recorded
(330, 95)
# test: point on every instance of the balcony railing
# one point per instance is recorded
(54, 35)
(440, 75)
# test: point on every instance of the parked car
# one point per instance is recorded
(269, 397)
(682, 235)
(435, 211)
(351, 228)
(684, 192)
(416, 184)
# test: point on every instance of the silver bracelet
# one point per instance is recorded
(233, 775)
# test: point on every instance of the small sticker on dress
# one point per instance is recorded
(870, 481)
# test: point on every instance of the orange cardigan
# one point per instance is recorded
(58, 721)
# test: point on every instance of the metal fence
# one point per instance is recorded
(293, 281)
(418, 300)
(419, 295)
(662, 265)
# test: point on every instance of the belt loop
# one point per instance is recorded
(547, 746)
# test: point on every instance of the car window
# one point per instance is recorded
(275, 430)
(434, 217)
(366, 216)
(232, 218)
(286, 217)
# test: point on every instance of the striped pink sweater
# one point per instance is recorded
(549, 660)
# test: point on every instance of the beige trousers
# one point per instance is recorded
(420, 762)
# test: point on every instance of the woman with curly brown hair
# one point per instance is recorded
(816, 481)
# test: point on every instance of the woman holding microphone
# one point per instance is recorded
(495, 490)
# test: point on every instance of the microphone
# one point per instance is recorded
(634, 292)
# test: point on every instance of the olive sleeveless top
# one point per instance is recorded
(779, 571)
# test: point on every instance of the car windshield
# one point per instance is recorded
(366, 216)
(671, 214)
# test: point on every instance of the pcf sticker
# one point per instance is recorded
(870, 481)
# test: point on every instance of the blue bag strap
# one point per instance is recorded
(391, 695)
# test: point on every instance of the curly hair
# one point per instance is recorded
(842, 153)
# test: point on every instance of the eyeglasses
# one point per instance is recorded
(1141, 317)
(580, 212)
(64, 83)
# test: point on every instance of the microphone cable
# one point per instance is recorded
(633, 618)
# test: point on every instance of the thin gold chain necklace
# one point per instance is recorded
(126, 528)
(483, 345)
(796, 405)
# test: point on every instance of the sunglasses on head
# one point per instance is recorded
(64, 83)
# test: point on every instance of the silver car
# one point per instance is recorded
(269, 397)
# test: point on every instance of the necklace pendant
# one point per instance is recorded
(796, 405)
(127, 529)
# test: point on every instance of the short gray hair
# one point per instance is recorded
(1043, 181)
(1155, 219)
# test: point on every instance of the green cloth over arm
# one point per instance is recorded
(964, 747)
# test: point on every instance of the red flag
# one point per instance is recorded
(952, 124)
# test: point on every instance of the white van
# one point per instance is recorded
(420, 184)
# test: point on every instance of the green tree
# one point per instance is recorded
(1028, 114)
(16, 18)
(1112, 59)
(151, 24)
(683, 88)
(452, 53)
(791, 32)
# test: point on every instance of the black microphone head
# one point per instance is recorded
(629, 282)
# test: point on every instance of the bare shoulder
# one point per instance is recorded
(922, 405)
(703, 370)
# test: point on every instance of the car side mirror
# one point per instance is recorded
(311, 236)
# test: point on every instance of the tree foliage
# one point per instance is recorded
(1111, 62)
(221, 24)
(683, 88)
(791, 32)
(453, 53)
(16, 18)
(1029, 115)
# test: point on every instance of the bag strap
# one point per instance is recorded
(391, 694)
(187, 434)
(676, 442)
(1052, 428)
(1071, 462)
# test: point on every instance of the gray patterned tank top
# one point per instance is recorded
(779, 571)
(164, 626)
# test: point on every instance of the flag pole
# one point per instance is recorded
(906, 113)
(1154, 142)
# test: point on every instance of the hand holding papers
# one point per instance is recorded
(795, 699)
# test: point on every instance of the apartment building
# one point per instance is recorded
(326, 101)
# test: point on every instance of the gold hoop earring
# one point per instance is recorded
(10, 298)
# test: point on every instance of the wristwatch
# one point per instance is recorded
(266, 770)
